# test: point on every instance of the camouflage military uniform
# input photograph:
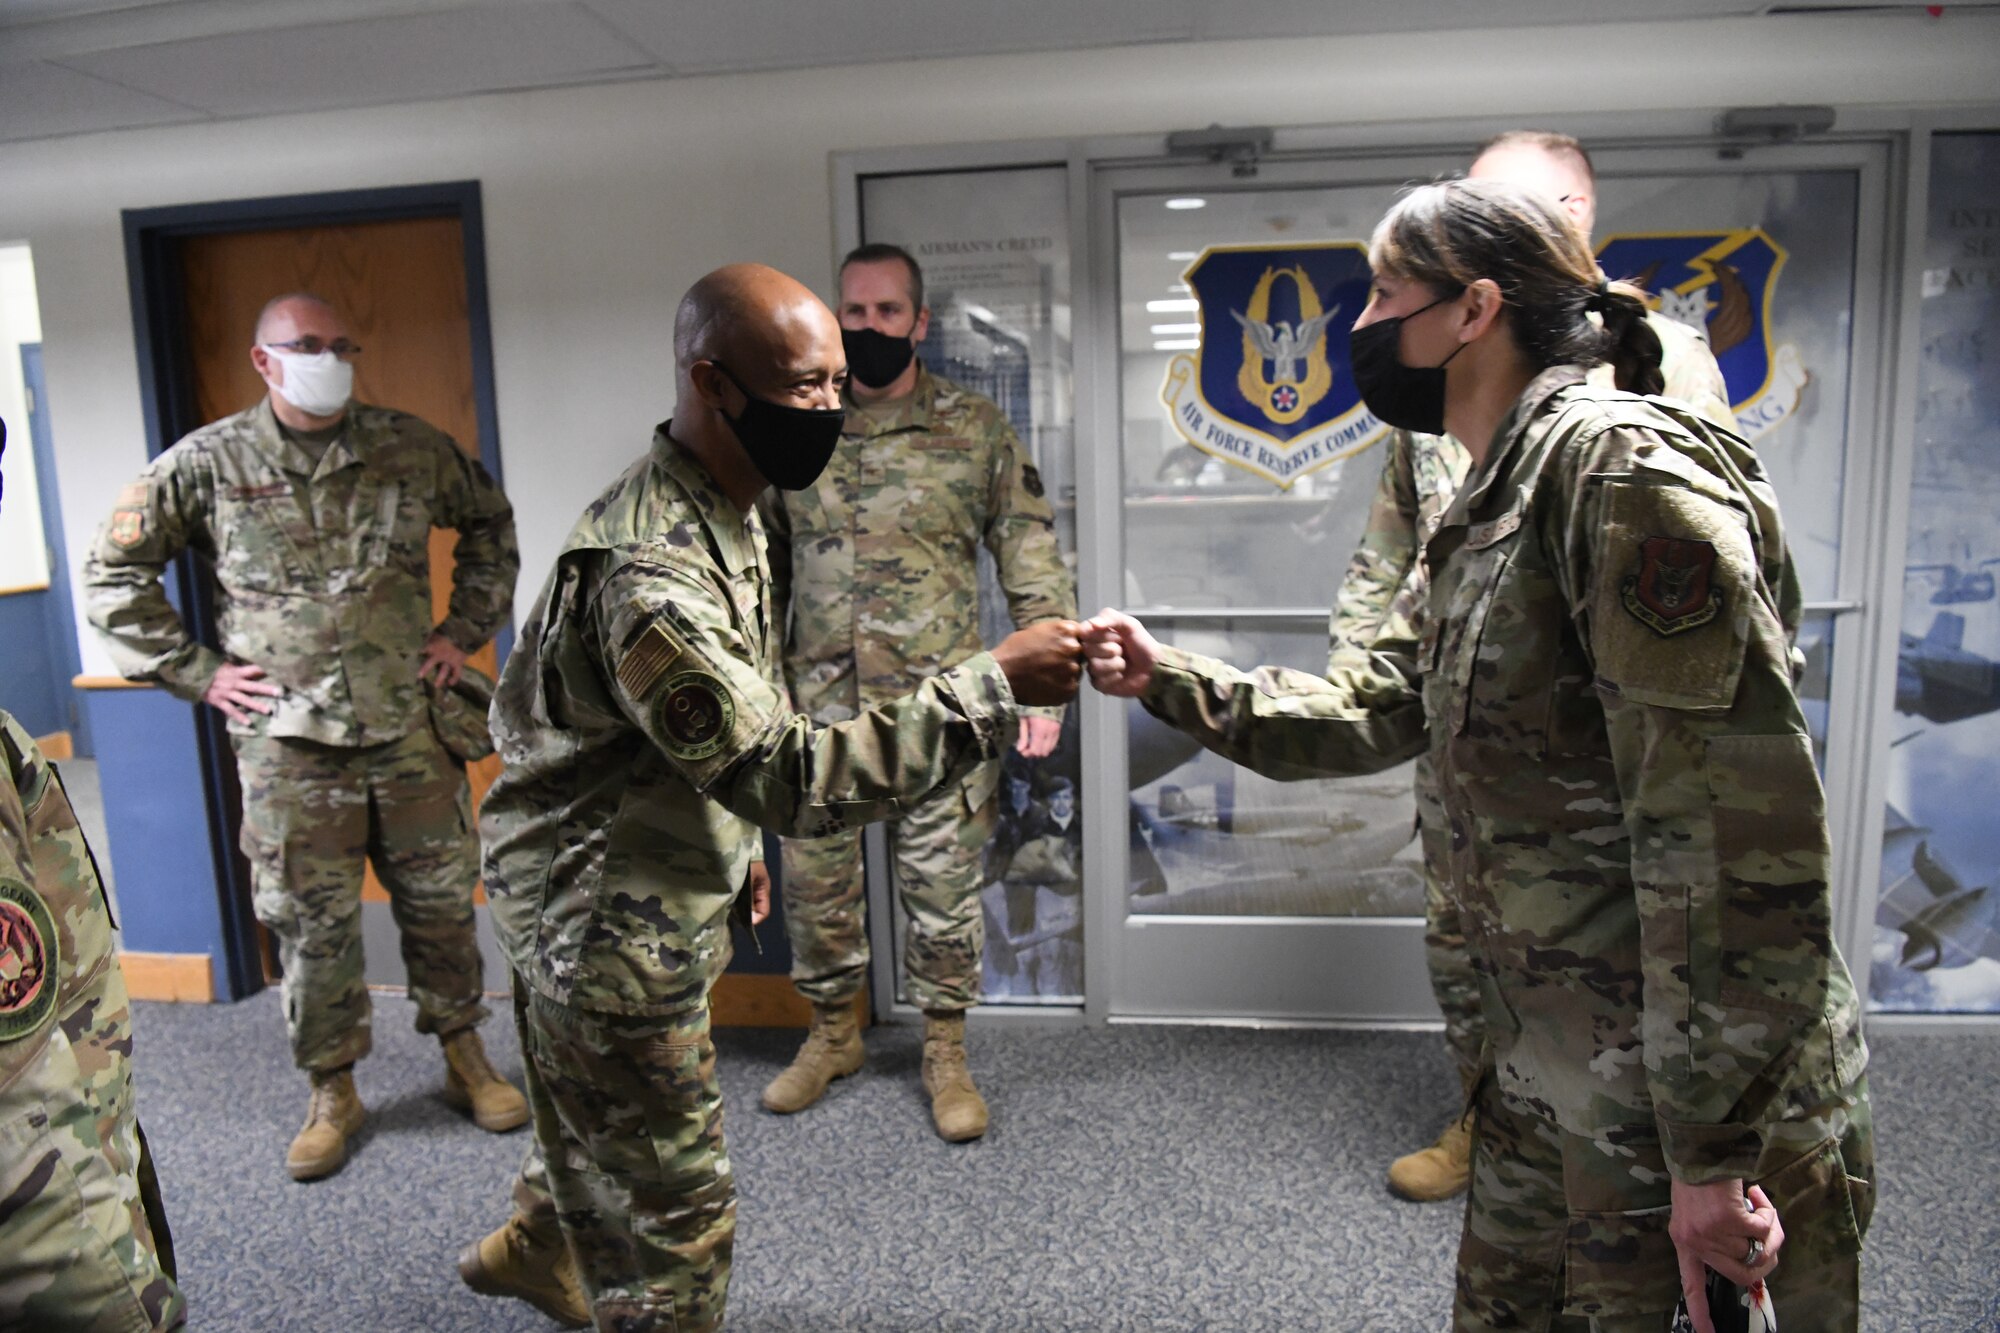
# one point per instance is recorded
(1382, 596)
(1636, 842)
(646, 737)
(83, 1244)
(877, 564)
(322, 575)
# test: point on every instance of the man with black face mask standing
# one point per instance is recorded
(646, 736)
(877, 565)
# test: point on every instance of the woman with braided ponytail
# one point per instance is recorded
(1672, 1090)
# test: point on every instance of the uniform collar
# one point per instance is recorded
(730, 528)
(272, 442)
(913, 413)
(1526, 408)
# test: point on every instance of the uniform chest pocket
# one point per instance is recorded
(262, 535)
(401, 528)
(945, 485)
(1500, 649)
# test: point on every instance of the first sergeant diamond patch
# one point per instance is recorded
(1674, 590)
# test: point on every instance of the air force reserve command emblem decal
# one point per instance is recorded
(1268, 388)
(1720, 283)
(695, 714)
(27, 960)
(1674, 590)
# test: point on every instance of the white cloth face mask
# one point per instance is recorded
(318, 384)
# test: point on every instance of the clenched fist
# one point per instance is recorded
(1043, 662)
(1122, 654)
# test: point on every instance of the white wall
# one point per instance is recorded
(603, 203)
(24, 553)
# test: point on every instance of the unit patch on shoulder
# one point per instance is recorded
(1674, 590)
(128, 527)
(28, 962)
(647, 660)
(1031, 481)
(695, 714)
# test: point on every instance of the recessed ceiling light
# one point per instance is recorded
(1176, 328)
(1173, 307)
(1182, 256)
(1186, 202)
(1177, 345)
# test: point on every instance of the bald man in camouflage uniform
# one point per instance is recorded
(877, 566)
(1381, 598)
(83, 1243)
(1634, 836)
(317, 522)
(647, 737)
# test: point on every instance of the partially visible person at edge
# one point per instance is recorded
(1637, 835)
(315, 513)
(1381, 597)
(647, 738)
(876, 583)
(83, 1239)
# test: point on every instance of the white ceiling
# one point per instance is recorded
(72, 66)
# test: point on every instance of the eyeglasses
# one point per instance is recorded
(311, 346)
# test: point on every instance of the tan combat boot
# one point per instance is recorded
(528, 1259)
(320, 1149)
(470, 1084)
(832, 1050)
(956, 1106)
(1439, 1171)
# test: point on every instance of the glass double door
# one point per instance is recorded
(1245, 468)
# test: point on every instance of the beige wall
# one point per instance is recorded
(24, 559)
(603, 203)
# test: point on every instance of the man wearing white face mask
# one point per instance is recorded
(315, 512)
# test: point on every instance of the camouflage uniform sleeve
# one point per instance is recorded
(1381, 562)
(1674, 579)
(155, 519)
(1021, 534)
(1290, 725)
(1688, 367)
(685, 678)
(487, 559)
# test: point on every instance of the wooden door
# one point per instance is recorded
(401, 288)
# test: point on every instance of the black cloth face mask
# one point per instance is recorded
(790, 446)
(1407, 397)
(876, 359)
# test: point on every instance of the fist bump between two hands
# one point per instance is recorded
(1044, 662)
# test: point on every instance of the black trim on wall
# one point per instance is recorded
(166, 384)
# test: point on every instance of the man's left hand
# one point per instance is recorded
(444, 661)
(760, 893)
(1038, 736)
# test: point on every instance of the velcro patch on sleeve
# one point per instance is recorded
(134, 496)
(128, 527)
(647, 660)
(695, 715)
(1676, 580)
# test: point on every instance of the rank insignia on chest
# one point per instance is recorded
(1674, 590)
(695, 713)
(128, 527)
(27, 960)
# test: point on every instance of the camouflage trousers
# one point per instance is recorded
(629, 1154)
(937, 851)
(311, 814)
(1569, 1234)
(83, 1243)
(1454, 983)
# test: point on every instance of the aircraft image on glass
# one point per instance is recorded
(1938, 680)
(1957, 584)
(1943, 923)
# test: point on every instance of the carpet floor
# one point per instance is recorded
(1137, 1178)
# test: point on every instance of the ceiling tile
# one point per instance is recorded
(37, 100)
(771, 34)
(408, 58)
